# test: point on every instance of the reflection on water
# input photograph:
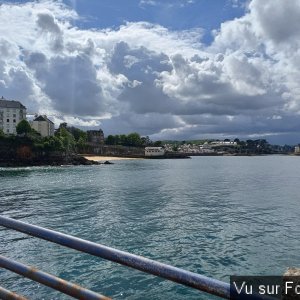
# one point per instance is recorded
(212, 215)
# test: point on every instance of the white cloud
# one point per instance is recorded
(144, 77)
(166, 3)
(148, 2)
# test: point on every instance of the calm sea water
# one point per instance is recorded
(216, 216)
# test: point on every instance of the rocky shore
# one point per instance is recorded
(73, 160)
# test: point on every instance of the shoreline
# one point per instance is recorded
(108, 158)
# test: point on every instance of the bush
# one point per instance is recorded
(23, 127)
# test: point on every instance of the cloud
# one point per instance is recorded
(147, 78)
(48, 26)
(148, 2)
(276, 20)
(166, 4)
(70, 82)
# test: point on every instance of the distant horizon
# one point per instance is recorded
(178, 70)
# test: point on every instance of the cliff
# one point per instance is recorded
(22, 151)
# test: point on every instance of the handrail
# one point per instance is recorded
(56, 283)
(178, 275)
(5, 294)
(187, 278)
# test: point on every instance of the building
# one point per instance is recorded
(223, 143)
(154, 151)
(297, 150)
(95, 136)
(11, 113)
(43, 125)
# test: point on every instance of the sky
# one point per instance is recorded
(181, 69)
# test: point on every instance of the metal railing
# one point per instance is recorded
(190, 279)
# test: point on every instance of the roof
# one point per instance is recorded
(10, 104)
(42, 119)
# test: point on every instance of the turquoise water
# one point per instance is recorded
(216, 216)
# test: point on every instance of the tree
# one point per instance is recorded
(63, 125)
(77, 133)
(52, 143)
(158, 143)
(1, 133)
(146, 141)
(134, 139)
(67, 139)
(121, 139)
(23, 127)
(81, 143)
(110, 140)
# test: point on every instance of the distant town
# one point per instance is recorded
(37, 139)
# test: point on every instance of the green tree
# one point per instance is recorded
(77, 133)
(1, 133)
(63, 125)
(67, 139)
(158, 143)
(81, 142)
(122, 139)
(134, 139)
(110, 140)
(23, 127)
(52, 143)
(146, 141)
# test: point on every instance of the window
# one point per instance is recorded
(14, 120)
(7, 120)
(14, 115)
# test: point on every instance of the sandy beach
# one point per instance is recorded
(109, 158)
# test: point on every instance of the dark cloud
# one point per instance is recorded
(141, 67)
(138, 63)
(145, 124)
(15, 82)
(70, 82)
(46, 23)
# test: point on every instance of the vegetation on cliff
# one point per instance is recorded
(28, 147)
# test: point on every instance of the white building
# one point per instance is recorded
(297, 149)
(43, 125)
(154, 151)
(223, 143)
(11, 113)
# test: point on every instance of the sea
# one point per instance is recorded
(216, 216)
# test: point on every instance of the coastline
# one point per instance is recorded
(108, 158)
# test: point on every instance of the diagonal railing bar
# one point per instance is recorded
(9, 295)
(187, 278)
(49, 280)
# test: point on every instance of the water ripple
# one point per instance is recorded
(213, 215)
